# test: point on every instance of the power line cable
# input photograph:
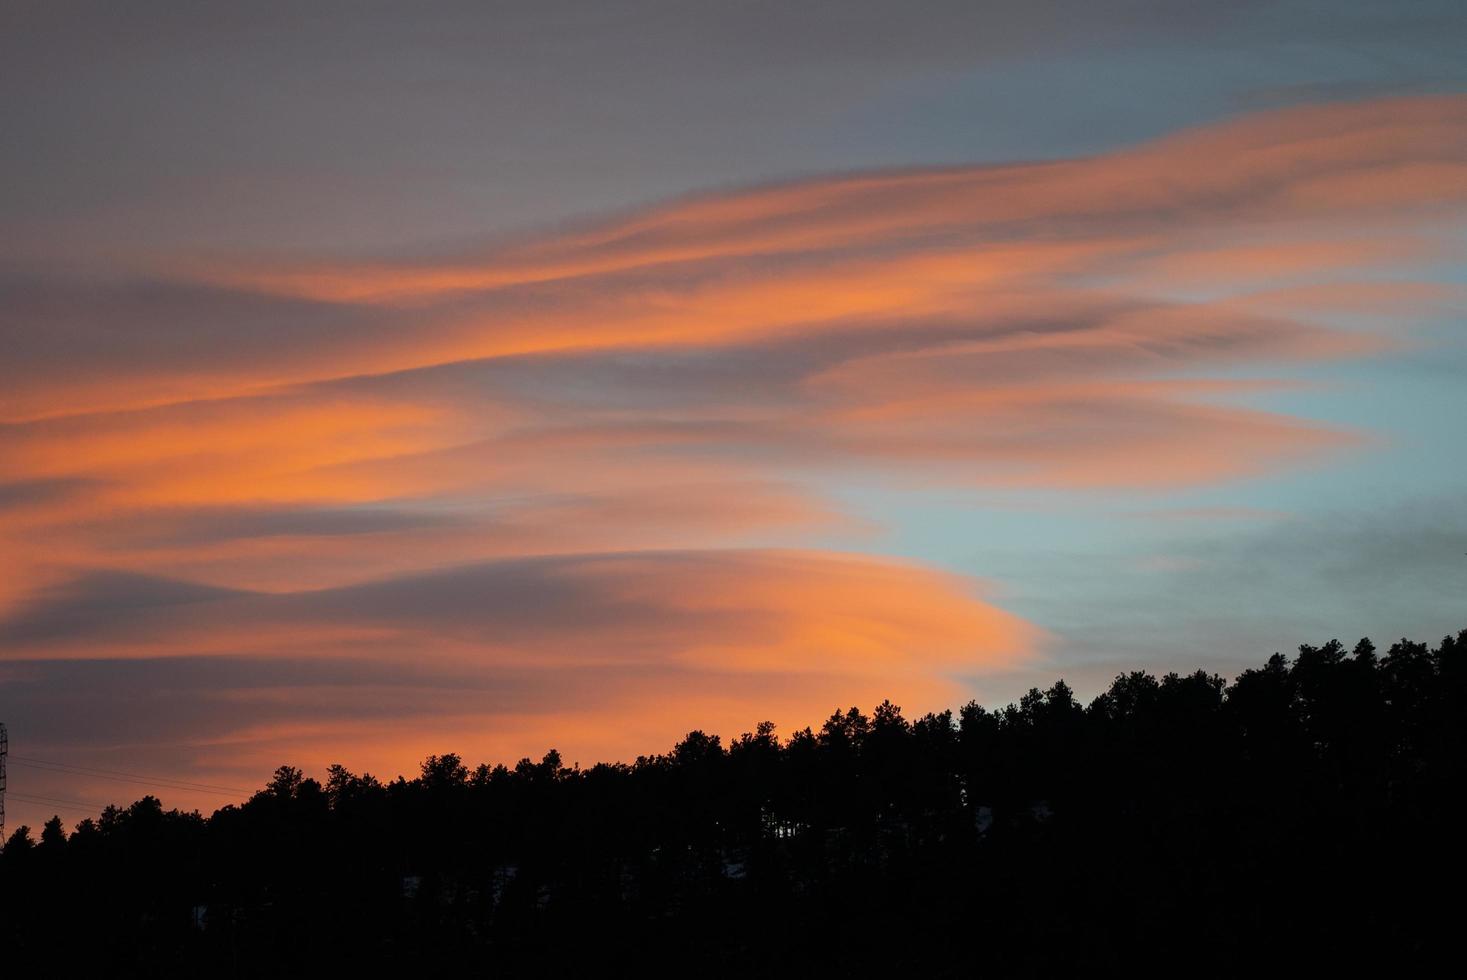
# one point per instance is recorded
(161, 782)
(131, 775)
(49, 800)
(147, 783)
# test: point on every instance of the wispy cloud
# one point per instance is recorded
(603, 452)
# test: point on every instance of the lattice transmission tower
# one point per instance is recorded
(4, 747)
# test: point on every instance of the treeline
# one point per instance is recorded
(1307, 816)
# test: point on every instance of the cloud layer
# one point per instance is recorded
(583, 484)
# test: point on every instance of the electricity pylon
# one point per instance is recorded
(4, 747)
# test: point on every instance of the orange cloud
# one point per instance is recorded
(795, 258)
(604, 656)
(598, 462)
(1302, 162)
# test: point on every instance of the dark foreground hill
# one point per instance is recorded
(1307, 817)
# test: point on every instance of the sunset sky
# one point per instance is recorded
(385, 379)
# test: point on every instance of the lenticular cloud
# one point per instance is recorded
(586, 479)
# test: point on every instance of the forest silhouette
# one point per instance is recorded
(1307, 817)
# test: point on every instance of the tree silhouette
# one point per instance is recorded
(1302, 817)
